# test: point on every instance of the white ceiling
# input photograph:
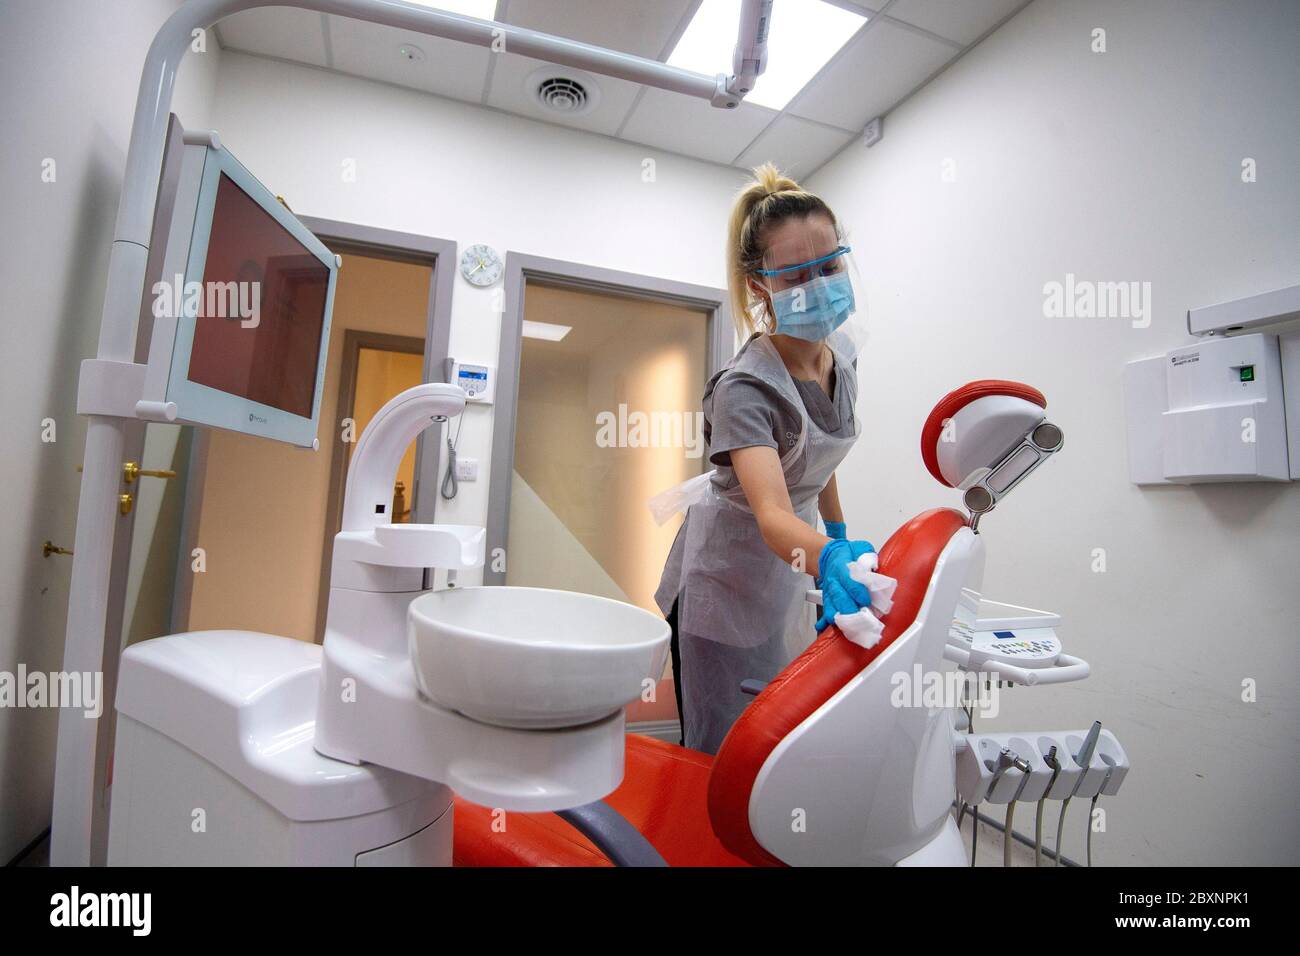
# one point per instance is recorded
(903, 44)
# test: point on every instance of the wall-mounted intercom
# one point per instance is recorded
(478, 381)
(1226, 408)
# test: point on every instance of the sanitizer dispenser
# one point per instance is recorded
(1212, 411)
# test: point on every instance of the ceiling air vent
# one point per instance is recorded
(564, 91)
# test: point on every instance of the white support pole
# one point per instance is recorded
(95, 605)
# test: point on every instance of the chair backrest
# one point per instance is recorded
(813, 684)
(841, 760)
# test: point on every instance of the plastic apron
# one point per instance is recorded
(741, 610)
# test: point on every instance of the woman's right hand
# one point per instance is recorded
(840, 593)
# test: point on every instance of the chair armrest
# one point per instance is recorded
(613, 835)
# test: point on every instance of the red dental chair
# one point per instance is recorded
(823, 767)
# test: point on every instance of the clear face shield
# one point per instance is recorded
(808, 286)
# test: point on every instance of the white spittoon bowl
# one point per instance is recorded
(533, 658)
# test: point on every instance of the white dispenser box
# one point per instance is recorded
(1212, 411)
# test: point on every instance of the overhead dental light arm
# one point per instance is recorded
(750, 58)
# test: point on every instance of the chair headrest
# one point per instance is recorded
(973, 427)
(985, 437)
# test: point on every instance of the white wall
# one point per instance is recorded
(443, 168)
(68, 76)
(1123, 165)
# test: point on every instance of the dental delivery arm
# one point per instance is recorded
(759, 471)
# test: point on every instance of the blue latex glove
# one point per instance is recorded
(836, 529)
(840, 593)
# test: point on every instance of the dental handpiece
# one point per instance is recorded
(1083, 758)
(1055, 764)
(1007, 758)
(1011, 810)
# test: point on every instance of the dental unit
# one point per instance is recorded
(427, 714)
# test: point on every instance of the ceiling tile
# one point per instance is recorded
(629, 26)
(879, 67)
(796, 146)
(276, 31)
(691, 126)
(449, 68)
(862, 6)
(512, 91)
(962, 21)
(883, 64)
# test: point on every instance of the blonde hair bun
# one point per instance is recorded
(771, 180)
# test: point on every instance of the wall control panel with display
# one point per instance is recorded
(994, 631)
(478, 381)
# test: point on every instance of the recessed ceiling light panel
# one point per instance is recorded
(803, 37)
(545, 330)
(478, 9)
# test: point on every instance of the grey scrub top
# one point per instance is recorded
(740, 412)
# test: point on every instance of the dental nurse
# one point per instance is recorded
(779, 418)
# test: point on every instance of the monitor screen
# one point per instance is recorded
(258, 334)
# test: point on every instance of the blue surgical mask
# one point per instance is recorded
(815, 309)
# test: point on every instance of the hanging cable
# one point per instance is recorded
(1011, 813)
(449, 479)
(1092, 810)
(1083, 760)
(1055, 764)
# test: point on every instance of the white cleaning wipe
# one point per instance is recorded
(862, 628)
(881, 586)
(865, 627)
